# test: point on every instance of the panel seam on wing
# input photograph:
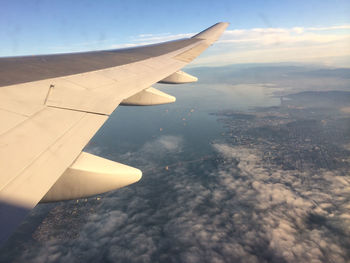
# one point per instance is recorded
(40, 154)
(90, 112)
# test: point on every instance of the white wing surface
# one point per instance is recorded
(52, 105)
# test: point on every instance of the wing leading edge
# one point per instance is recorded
(52, 105)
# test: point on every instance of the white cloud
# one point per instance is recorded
(284, 200)
(265, 45)
(148, 39)
(161, 37)
(164, 143)
(241, 210)
(340, 27)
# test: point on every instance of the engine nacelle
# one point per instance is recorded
(179, 77)
(91, 175)
(148, 97)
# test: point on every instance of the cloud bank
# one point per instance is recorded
(325, 45)
(231, 208)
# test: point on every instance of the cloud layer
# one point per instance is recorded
(228, 208)
(326, 45)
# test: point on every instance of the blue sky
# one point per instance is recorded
(37, 27)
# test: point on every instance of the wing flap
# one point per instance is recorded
(33, 159)
(23, 144)
(37, 152)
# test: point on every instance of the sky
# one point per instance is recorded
(259, 31)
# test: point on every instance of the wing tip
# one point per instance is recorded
(212, 33)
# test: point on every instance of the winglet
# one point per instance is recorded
(212, 33)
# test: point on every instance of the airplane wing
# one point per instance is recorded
(52, 105)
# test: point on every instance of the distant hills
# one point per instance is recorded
(323, 99)
(291, 78)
